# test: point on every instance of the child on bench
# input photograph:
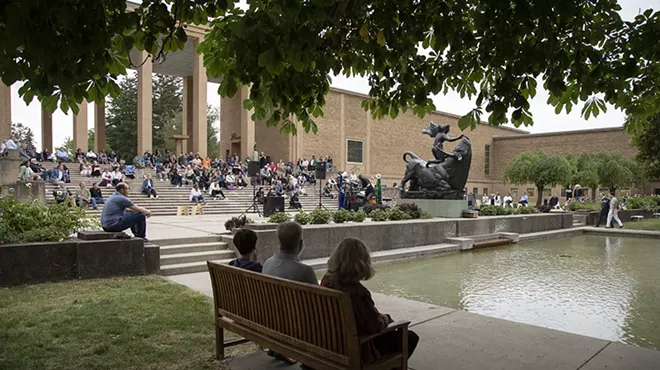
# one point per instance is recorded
(246, 243)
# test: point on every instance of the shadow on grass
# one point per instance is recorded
(121, 323)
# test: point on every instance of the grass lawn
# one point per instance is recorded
(122, 323)
(652, 224)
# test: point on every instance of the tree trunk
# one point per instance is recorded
(593, 193)
(539, 195)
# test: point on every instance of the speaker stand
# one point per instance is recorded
(255, 204)
(321, 206)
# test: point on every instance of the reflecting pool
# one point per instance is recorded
(604, 287)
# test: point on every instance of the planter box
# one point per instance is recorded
(103, 256)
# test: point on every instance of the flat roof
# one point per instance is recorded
(560, 133)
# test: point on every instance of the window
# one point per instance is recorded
(487, 160)
(485, 191)
(547, 192)
(514, 193)
(475, 191)
(530, 192)
(354, 151)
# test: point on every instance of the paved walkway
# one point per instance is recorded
(170, 227)
(453, 339)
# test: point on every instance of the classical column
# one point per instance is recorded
(46, 130)
(199, 87)
(247, 126)
(80, 128)
(5, 111)
(99, 126)
(187, 114)
(144, 109)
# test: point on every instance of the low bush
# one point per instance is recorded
(577, 205)
(648, 203)
(24, 222)
(359, 216)
(379, 215)
(320, 216)
(488, 211)
(341, 216)
(411, 209)
(302, 218)
(237, 222)
(426, 215)
(368, 208)
(528, 210)
(500, 210)
(397, 214)
(515, 211)
(279, 217)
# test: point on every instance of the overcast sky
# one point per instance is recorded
(545, 120)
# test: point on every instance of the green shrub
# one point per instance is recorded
(488, 211)
(507, 211)
(411, 209)
(577, 205)
(368, 208)
(279, 217)
(302, 218)
(341, 216)
(527, 210)
(359, 216)
(34, 222)
(499, 210)
(426, 215)
(397, 214)
(379, 215)
(320, 217)
(515, 211)
(646, 203)
(237, 222)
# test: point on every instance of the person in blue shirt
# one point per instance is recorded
(246, 243)
(120, 213)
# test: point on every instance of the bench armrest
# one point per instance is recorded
(391, 327)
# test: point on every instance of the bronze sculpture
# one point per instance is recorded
(443, 177)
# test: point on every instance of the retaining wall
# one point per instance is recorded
(320, 240)
(624, 215)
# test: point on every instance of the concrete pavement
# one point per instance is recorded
(455, 339)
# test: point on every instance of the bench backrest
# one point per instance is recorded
(314, 318)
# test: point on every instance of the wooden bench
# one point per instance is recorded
(636, 218)
(311, 324)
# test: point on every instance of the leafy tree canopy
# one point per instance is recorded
(496, 51)
(615, 171)
(647, 142)
(539, 169)
(584, 171)
(23, 135)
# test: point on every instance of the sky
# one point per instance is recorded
(545, 119)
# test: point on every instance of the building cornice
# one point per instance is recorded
(561, 133)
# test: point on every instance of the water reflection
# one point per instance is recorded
(605, 287)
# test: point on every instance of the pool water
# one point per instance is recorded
(603, 287)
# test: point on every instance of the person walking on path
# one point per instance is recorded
(614, 212)
(604, 209)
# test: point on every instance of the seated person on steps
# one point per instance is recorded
(196, 195)
(246, 243)
(148, 187)
(119, 213)
(349, 264)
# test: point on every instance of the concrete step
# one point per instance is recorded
(192, 248)
(188, 268)
(395, 254)
(179, 258)
(190, 240)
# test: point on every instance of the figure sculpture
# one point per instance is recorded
(443, 177)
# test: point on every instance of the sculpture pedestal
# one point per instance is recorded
(449, 208)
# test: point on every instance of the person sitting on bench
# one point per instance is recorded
(246, 243)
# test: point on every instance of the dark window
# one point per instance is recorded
(475, 191)
(354, 151)
(487, 160)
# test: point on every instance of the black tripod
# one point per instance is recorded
(321, 206)
(255, 204)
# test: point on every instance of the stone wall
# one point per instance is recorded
(320, 240)
(624, 215)
(31, 263)
(27, 191)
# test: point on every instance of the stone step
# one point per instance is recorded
(192, 248)
(188, 268)
(179, 258)
(190, 240)
(395, 254)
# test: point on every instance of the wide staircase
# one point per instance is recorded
(171, 197)
(185, 256)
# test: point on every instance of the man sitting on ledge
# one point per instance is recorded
(119, 214)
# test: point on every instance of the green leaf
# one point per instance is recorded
(266, 57)
(381, 39)
(364, 32)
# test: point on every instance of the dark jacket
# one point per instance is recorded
(605, 204)
(246, 264)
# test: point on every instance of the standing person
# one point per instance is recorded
(148, 187)
(349, 264)
(120, 213)
(604, 209)
(614, 212)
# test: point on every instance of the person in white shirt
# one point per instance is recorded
(508, 200)
(230, 179)
(614, 212)
(11, 145)
(116, 177)
(215, 190)
(498, 199)
(196, 195)
(91, 155)
(106, 178)
(485, 201)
